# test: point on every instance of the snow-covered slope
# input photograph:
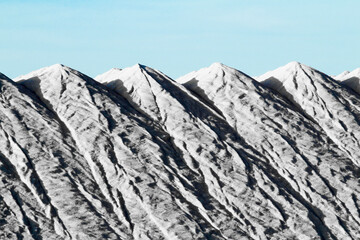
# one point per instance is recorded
(47, 188)
(325, 101)
(271, 125)
(137, 155)
(209, 145)
(341, 75)
(129, 158)
(163, 97)
(351, 80)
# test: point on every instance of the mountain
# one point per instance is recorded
(47, 190)
(323, 100)
(204, 138)
(137, 171)
(351, 80)
(163, 97)
(133, 154)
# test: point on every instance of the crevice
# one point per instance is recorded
(32, 226)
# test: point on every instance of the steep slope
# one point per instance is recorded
(351, 80)
(325, 101)
(199, 134)
(158, 96)
(47, 190)
(138, 169)
(137, 155)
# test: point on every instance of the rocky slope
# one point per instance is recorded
(263, 118)
(325, 101)
(215, 154)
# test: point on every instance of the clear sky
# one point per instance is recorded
(179, 36)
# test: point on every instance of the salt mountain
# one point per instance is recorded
(215, 154)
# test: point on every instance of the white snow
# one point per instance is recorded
(215, 154)
(323, 100)
(351, 80)
(341, 75)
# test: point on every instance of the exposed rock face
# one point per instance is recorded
(325, 101)
(213, 155)
(262, 117)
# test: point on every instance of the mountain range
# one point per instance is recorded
(215, 154)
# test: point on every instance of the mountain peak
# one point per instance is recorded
(138, 72)
(217, 77)
(138, 69)
(116, 73)
(56, 67)
(54, 71)
(215, 71)
(351, 79)
(220, 67)
(217, 65)
(54, 80)
(347, 74)
(285, 72)
(111, 74)
(294, 64)
(139, 66)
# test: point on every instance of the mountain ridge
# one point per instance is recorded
(215, 154)
(314, 92)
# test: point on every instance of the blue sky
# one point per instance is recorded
(177, 37)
